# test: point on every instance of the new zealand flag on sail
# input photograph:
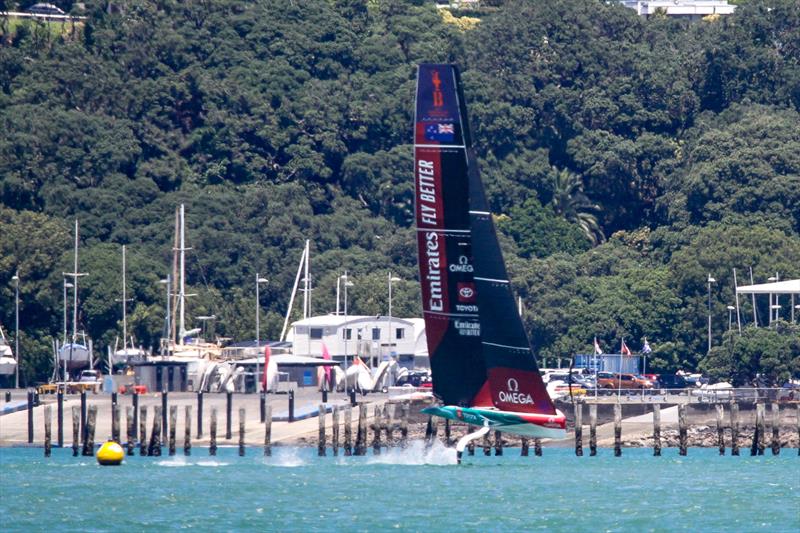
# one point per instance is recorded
(440, 132)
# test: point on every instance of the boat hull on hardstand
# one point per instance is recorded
(534, 425)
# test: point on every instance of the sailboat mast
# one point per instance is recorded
(182, 296)
(291, 298)
(75, 292)
(173, 295)
(306, 294)
(124, 305)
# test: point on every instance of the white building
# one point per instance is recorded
(692, 9)
(375, 338)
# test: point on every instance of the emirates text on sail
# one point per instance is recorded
(426, 194)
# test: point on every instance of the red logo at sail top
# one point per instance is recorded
(438, 98)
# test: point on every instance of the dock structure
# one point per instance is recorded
(381, 425)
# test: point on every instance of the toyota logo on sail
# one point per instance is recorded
(513, 395)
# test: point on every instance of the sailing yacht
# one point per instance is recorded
(484, 370)
(8, 364)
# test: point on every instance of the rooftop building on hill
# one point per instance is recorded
(691, 9)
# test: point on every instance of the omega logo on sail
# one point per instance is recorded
(513, 395)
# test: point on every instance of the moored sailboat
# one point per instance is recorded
(484, 370)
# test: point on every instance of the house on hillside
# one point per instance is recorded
(690, 9)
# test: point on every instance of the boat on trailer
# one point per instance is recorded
(484, 370)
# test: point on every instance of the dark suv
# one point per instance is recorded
(671, 381)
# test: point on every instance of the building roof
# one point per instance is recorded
(791, 286)
(339, 320)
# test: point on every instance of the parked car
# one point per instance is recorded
(672, 381)
(45, 9)
(608, 380)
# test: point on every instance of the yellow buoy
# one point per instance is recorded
(110, 453)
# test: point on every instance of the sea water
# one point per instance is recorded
(411, 490)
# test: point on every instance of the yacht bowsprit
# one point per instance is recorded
(484, 370)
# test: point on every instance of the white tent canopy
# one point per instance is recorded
(791, 286)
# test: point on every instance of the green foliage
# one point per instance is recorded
(275, 122)
(773, 354)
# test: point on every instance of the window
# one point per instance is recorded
(315, 333)
(347, 334)
(400, 333)
(376, 334)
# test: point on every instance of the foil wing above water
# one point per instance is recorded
(479, 352)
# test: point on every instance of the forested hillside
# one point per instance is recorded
(625, 160)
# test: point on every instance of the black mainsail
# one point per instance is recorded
(444, 238)
(479, 352)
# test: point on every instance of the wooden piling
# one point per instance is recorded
(335, 432)
(83, 416)
(537, 447)
(682, 436)
(348, 431)
(376, 431)
(135, 416)
(212, 442)
(592, 430)
(129, 432)
(776, 424)
(200, 414)
(657, 430)
(187, 431)
(154, 450)
(734, 428)
(241, 431)
(429, 432)
(76, 420)
(115, 433)
(30, 416)
(471, 444)
(525, 447)
(88, 443)
(617, 430)
(487, 445)
(321, 432)
(60, 418)
(579, 429)
(404, 410)
(47, 419)
(361, 434)
(447, 433)
(761, 410)
(164, 422)
(387, 425)
(498, 443)
(228, 415)
(267, 430)
(720, 428)
(143, 430)
(173, 426)
(262, 406)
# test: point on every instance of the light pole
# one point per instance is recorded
(203, 319)
(15, 279)
(709, 281)
(392, 279)
(777, 309)
(773, 279)
(259, 280)
(730, 317)
(347, 283)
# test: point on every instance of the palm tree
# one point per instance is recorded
(571, 202)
